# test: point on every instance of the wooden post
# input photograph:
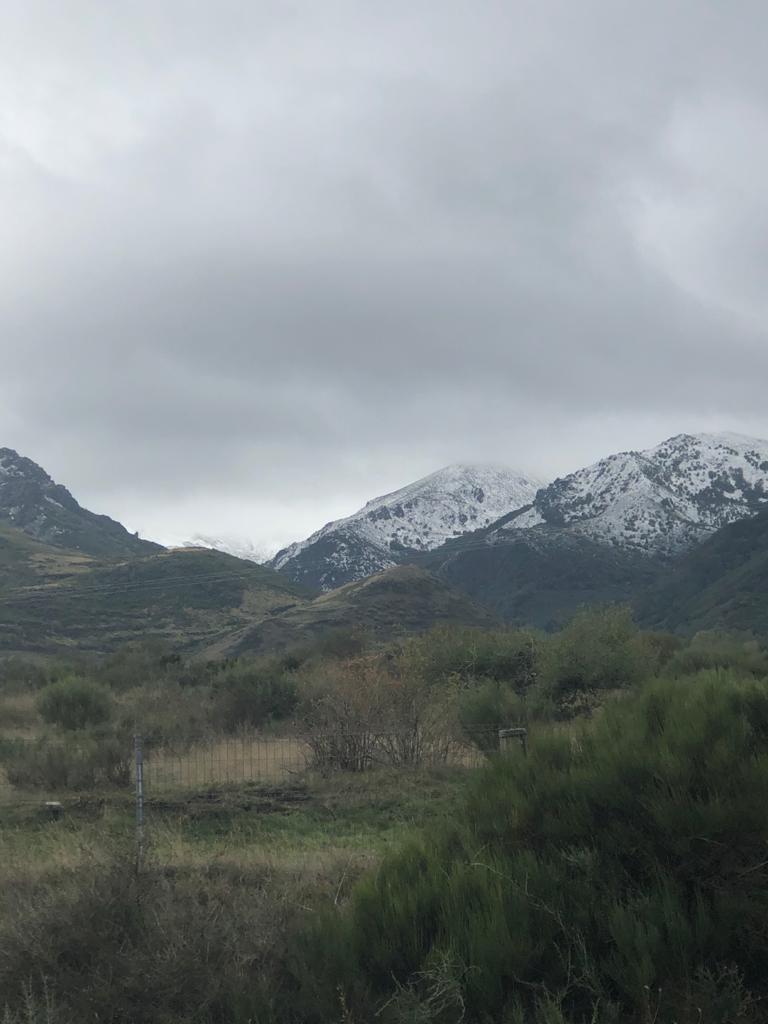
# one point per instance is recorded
(54, 809)
(506, 737)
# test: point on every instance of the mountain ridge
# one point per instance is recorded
(33, 502)
(421, 516)
(662, 500)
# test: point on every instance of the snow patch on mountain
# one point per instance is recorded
(240, 547)
(662, 500)
(419, 517)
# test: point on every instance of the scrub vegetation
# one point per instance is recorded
(617, 873)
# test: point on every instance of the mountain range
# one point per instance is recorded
(679, 530)
(661, 501)
(391, 529)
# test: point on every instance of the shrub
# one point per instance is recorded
(448, 652)
(486, 708)
(356, 714)
(167, 713)
(21, 674)
(81, 763)
(712, 650)
(75, 703)
(99, 943)
(620, 877)
(254, 693)
(600, 649)
(138, 664)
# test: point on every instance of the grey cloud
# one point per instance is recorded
(281, 256)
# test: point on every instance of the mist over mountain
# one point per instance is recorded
(240, 547)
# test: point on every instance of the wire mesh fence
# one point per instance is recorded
(64, 772)
(232, 760)
(225, 761)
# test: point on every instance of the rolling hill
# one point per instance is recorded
(387, 605)
(54, 601)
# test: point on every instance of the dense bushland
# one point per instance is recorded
(103, 944)
(355, 706)
(616, 874)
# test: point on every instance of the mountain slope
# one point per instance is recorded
(390, 604)
(32, 502)
(721, 584)
(542, 575)
(661, 501)
(56, 601)
(419, 517)
(606, 533)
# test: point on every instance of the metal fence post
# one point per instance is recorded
(138, 750)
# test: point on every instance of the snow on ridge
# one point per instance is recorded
(662, 499)
(237, 546)
(424, 514)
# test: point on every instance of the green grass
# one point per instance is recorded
(364, 815)
(229, 874)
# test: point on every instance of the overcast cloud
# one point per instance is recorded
(260, 261)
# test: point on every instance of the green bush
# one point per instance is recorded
(100, 943)
(83, 762)
(21, 674)
(487, 707)
(75, 703)
(447, 652)
(719, 650)
(254, 693)
(600, 649)
(616, 875)
(167, 713)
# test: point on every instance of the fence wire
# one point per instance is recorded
(251, 759)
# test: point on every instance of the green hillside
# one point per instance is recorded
(540, 576)
(53, 600)
(389, 604)
(722, 584)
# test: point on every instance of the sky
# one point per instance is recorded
(261, 261)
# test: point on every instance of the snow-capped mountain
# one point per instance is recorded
(449, 503)
(240, 547)
(31, 501)
(660, 501)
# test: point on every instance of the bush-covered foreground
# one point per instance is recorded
(70, 725)
(620, 875)
(202, 932)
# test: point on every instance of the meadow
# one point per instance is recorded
(361, 873)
